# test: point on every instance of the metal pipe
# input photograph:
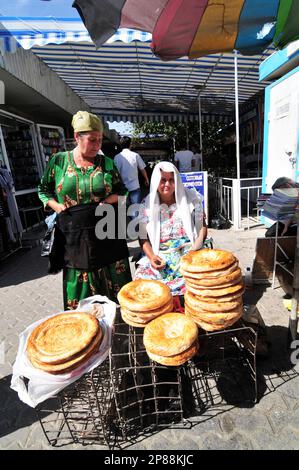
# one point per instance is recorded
(200, 129)
(237, 115)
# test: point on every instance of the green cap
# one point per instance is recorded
(84, 122)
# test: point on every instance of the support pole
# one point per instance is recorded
(200, 129)
(293, 319)
(237, 115)
(237, 197)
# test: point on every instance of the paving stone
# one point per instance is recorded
(163, 443)
(203, 425)
(235, 441)
(287, 439)
(281, 419)
(249, 419)
(27, 294)
(227, 424)
(270, 401)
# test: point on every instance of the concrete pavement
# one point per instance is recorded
(27, 293)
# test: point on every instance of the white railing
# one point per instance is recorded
(236, 200)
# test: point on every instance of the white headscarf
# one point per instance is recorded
(186, 201)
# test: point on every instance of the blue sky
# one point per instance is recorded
(123, 128)
(59, 8)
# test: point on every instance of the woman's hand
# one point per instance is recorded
(56, 206)
(157, 262)
(60, 208)
(111, 199)
(286, 226)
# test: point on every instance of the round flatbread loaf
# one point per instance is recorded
(223, 281)
(62, 337)
(222, 298)
(222, 286)
(68, 366)
(210, 274)
(216, 318)
(144, 295)
(151, 314)
(206, 260)
(192, 300)
(169, 334)
(176, 360)
(138, 318)
(213, 326)
(132, 322)
(220, 292)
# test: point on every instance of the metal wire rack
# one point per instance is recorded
(149, 396)
(129, 396)
(81, 413)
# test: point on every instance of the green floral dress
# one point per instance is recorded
(72, 185)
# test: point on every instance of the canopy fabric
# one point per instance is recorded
(195, 28)
(27, 32)
(126, 81)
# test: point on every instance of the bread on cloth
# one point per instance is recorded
(144, 295)
(206, 260)
(193, 301)
(178, 359)
(63, 342)
(169, 334)
(67, 366)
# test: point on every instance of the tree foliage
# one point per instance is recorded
(215, 159)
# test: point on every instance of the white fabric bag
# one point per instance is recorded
(42, 385)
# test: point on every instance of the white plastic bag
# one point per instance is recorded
(42, 385)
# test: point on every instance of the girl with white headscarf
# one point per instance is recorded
(173, 220)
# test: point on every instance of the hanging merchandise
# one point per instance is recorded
(13, 221)
(51, 140)
(21, 154)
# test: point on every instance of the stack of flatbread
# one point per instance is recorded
(143, 300)
(171, 339)
(64, 342)
(214, 288)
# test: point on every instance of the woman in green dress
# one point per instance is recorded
(85, 176)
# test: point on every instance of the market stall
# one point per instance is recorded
(51, 140)
(121, 373)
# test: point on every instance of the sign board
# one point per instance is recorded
(199, 181)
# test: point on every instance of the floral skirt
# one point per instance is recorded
(170, 275)
(78, 284)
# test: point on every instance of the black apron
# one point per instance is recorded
(82, 249)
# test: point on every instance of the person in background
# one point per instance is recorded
(197, 157)
(184, 159)
(73, 185)
(171, 223)
(128, 164)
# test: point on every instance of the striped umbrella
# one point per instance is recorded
(196, 28)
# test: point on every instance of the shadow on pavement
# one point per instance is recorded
(15, 413)
(23, 266)
(276, 368)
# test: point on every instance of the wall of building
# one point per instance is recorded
(33, 72)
